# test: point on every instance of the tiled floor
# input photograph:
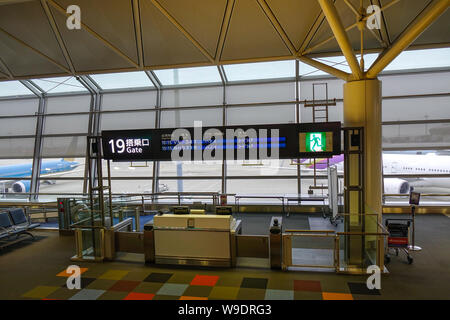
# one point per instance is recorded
(143, 284)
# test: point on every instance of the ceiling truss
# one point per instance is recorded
(326, 31)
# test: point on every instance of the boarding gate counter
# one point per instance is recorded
(192, 239)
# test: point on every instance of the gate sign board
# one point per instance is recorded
(281, 141)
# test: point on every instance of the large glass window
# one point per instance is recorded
(260, 70)
(188, 76)
(15, 177)
(424, 171)
(63, 176)
(421, 59)
(122, 80)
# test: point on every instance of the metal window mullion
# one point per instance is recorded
(224, 123)
(37, 153)
(156, 164)
(94, 114)
(157, 84)
(297, 115)
(89, 133)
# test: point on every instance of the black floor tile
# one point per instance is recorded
(84, 282)
(254, 283)
(361, 288)
(158, 277)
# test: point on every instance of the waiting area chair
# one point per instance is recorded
(13, 225)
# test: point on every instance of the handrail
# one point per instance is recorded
(122, 224)
(362, 234)
(422, 195)
(310, 231)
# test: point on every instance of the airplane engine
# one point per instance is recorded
(22, 186)
(396, 186)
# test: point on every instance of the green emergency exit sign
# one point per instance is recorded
(315, 142)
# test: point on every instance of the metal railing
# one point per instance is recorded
(337, 237)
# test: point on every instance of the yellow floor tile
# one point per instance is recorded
(114, 274)
(40, 292)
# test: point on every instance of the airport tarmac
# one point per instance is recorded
(131, 178)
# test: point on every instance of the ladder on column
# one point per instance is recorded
(320, 114)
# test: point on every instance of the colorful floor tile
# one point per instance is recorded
(148, 287)
(307, 285)
(172, 289)
(143, 284)
(87, 294)
(224, 293)
(113, 295)
(40, 292)
(200, 280)
(124, 285)
(192, 298)
(65, 274)
(254, 283)
(101, 284)
(336, 296)
(198, 291)
(114, 274)
(139, 296)
(158, 277)
(272, 294)
(251, 294)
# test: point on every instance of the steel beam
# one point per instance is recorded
(224, 29)
(36, 164)
(37, 153)
(276, 24)
(352, 7)
(138, 31)
(183, 30)
(317, 23)
(62, 46)
(420, 24)
(354, 25)
(326, 68)
(336, 26)
(6, 69)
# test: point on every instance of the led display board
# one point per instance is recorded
(282, 141)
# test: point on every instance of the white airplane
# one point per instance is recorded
(415, 164)
(393, 164)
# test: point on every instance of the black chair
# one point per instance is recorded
(20, 220)
(5, 225)
(13, 224)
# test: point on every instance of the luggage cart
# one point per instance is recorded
(398, 238)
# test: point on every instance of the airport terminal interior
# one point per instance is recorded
(225, 149)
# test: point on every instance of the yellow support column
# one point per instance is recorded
(362, 108)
